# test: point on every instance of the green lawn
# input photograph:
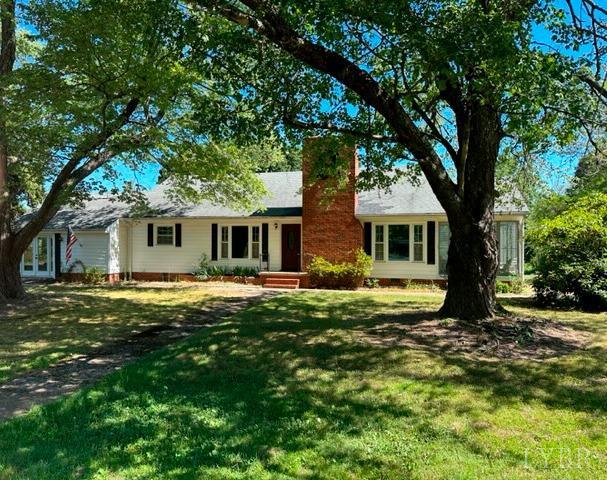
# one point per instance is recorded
(303, 386)
(63, 320)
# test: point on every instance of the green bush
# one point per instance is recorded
(517, 285)
(502, 287)
(202, 270)
(205, 270)
(93, 276)
(571, 255)
(371, 282)
(350, 275)
(245, 271)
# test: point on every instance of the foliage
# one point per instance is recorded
(371, 282)
(93, 276)
(423, 54)
(245, 271)
(350, 275)
(502, 287)
(206, 270)
(571, 254)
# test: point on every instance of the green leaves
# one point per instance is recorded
(571, 254)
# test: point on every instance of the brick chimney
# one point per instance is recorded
(329, 226)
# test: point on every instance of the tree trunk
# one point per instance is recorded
(11, 286)
(472, 257)
(471, 268)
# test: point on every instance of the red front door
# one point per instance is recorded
(291, 247)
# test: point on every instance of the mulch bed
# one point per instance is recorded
(507, 337)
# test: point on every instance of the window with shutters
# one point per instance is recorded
(164, 235)
(225, 242)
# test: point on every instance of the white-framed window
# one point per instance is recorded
(225, 242)
(240, 242)
(418, 243)
(165, 235)
(255, 241)
(508, 247)
(444, 237)
(399, 243)
(507, 238)
(379, 243)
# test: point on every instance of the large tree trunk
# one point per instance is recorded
(11, 286)
(472, 258)
(471, 267)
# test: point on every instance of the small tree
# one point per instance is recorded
(571, 254)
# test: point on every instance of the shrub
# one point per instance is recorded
(517, 285)
(571, 255)
(205, 270)
(371, 282)
(502, 287)
(340, 275)
(245, 271)
(93, 276)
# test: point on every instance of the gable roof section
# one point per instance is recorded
(283, 199)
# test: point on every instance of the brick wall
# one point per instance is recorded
(329, 227)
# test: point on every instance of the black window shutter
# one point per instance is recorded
(57, 255)
(431, 243)
(178, 234)
(264, 240)
(214, 228)
(368, 237)
(150, 234)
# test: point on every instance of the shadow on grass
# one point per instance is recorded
(58, 322)
(285, 388)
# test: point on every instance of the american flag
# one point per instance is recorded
(71, 241)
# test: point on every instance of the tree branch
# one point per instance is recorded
(271, 25)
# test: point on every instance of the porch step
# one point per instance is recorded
(276, 282)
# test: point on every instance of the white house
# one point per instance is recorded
(405, 231)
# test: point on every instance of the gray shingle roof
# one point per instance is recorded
(284, 199)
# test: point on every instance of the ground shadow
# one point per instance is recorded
(285, 387)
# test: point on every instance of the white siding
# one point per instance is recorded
(91, 249)
(196, 240)
(410, 269)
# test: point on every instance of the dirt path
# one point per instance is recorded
(42, 386)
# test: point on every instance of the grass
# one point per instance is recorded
(61, 321)
(292, 389)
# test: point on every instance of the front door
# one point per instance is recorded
(38, 258)
(291, 247)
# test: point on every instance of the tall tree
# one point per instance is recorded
(105, 81)
(443, 85)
